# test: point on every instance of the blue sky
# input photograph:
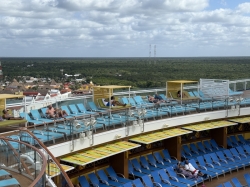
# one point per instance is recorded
(114, 28)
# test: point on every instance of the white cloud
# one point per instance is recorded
(79, 27)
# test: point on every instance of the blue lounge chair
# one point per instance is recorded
(209, 167)
(141, 102)
(247, 149)
(236, 182)
(133, 172)
(9, 182)
(202, 148)
(235, 141)
(242, 139)
(229, 143)
(188, 151)
(95, 181)
(128, 184)
(165, 178)
(220, 185)
(186, 155)
(146, 165)
(138, 183)
(223, 163)
(195, 150)
(82, 109)
(94, 108)
(153, 162)
(27, 117)
(36, 115)
(237, 159)
(43, 110)
(216, 165)
(242, 152)
(114, 176)
(105, 180)
(148, 182)
(167, 157)
(204, 170)
(234, 93)
(4, 173)
(157, 179)
(175, 177)
(247, 178)
(230, 160)
(63, 107)
(138, 167)
(74, 110)
(208, 146)
(83, 181)
(215, 145)
(228, 184)
(242, 156)
(160, 160)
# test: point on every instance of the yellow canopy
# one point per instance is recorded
(182, 81)
(158, 136)
(10, 96)
(112, 87)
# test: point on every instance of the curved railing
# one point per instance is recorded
(14, 160)
(52, 162)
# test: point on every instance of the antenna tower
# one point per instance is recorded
(149, 50)
(1, 72)
(155, 51)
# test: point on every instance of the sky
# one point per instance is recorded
(124, 28)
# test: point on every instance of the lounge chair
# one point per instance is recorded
(175, 177)
(204, 170)
(237, 159)
(165, 178)
(157, 179)
(243, 140)
(202, 148)
(215, 145)
(215, 164)
(146, 165)
(71, 113)
(83, 181)
(167, 157)
(115, 176)
(27, 117)
(9, 182)
(138, 183)
(223, 163)
(4, 173)
(153, 162)
(95, 181)
(247, 178)
(138, 167)
(105, 180)
(227, 184)
(209, 167)
(160, 160)
(36, 115)
(82, 109)
(133, 172)
(236, 182)
(128, 184)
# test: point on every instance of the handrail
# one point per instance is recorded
(51, 155)
(43, 168)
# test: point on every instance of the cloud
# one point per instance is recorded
(79, 27)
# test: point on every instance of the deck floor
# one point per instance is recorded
(240, 175)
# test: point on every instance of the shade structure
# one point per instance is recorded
(85, 157)
(158, 136)
(52, 170)
(209, 125)
(245, 119)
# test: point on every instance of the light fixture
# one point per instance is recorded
(76, 124)
(86, 122)
(206, 118)
(82, 135)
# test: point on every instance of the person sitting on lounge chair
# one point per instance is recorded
(179, 94)
(9, 117)
(151, 99)
(194, 171)
(61, 113)
(113, 102)
(181, 169)
(50, 112)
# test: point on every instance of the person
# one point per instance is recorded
(9, 117)
(194, 171)
(157, 96)
(181, 169)
(113, 102)
(151, 99)
(50, 112)
(61, 113)
(179, 94)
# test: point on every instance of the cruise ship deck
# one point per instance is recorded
(208, 117)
